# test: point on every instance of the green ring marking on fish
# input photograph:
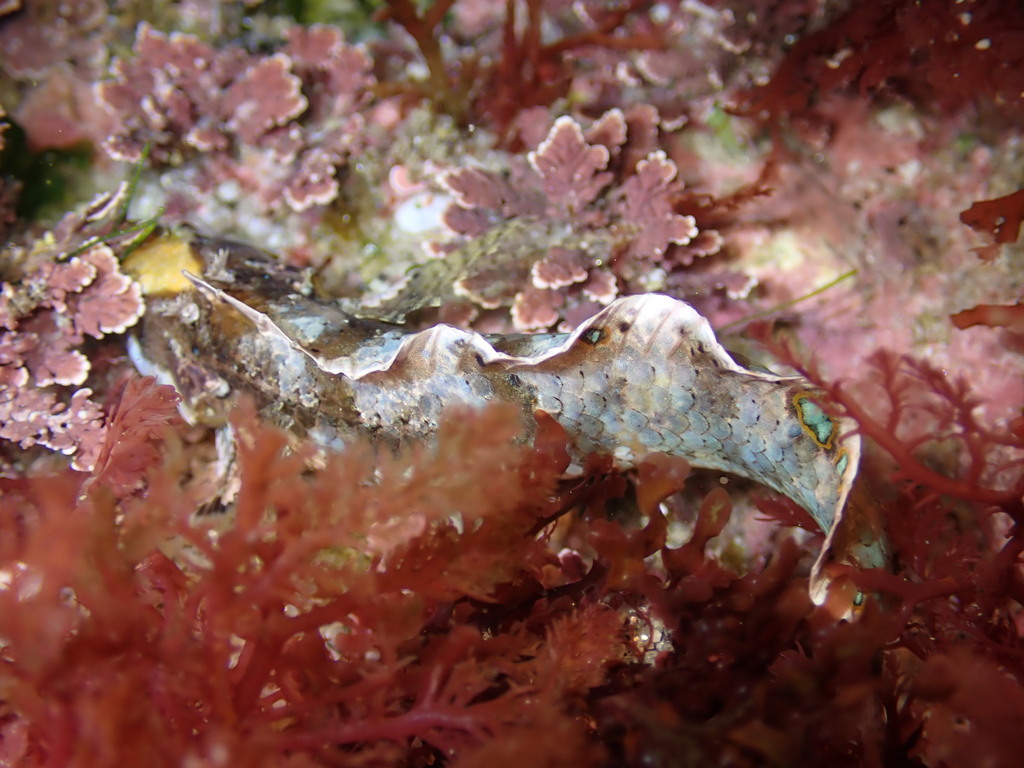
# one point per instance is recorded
(815, 421)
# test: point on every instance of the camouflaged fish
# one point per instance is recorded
(644, 375)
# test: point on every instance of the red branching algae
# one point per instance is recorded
(943, 53)
(132, 444)
(329, 559)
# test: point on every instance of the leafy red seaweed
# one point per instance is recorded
(993, 315)
(1000, 217)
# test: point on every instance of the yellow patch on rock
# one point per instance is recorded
(158, 265)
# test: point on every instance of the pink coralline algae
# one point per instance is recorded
(45, 319)
(293, 114)
(45, 34)
(581, 203)
(647, 199)
(172, 94)
(8, 187)
(267, 82)
(571, 171)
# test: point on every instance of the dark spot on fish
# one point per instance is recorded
(623, 326)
